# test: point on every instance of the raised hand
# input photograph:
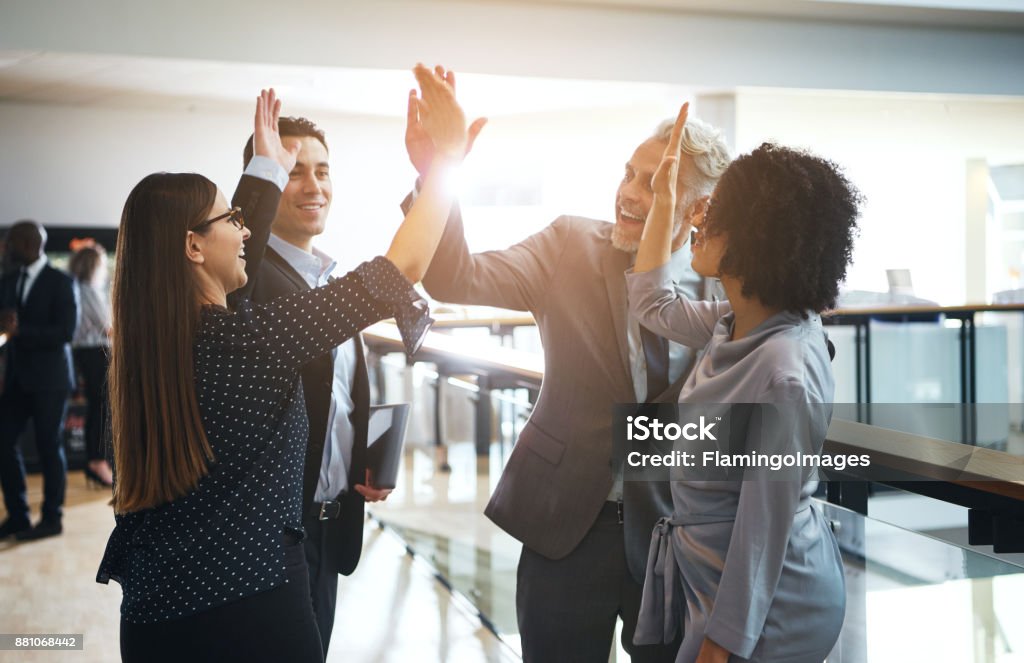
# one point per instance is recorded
(444, 123)
(418, 143)
(440, 114)
(666, 177)
(266, 139)
(656, 243)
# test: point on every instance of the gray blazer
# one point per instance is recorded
(571, 278)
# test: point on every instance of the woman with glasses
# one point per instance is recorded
(209, 423)
(747, 567)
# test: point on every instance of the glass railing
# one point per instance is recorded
(910, 597)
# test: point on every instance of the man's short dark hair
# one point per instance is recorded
(288, 126)
(790, 219)
(28, 234)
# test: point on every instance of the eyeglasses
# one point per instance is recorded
(234, 217)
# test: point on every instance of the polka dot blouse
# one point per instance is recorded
(223, 541)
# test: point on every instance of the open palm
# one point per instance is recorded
(418, 143)
(667, 174)
(266, 138)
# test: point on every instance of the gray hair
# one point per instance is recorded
(707, 150)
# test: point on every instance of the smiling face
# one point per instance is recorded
(302, 212)
(707, 250)
(634, 197)
(222, 248)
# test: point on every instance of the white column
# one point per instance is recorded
(719, 110)
(975, 230)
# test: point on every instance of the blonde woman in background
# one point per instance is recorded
(91, 349)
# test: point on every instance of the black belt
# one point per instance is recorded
(329, 510)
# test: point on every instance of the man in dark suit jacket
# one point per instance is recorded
(336, 483)
(39, 314)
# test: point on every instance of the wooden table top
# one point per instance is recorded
(925, 309)
(486, 357)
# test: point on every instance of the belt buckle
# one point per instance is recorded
(329, 509)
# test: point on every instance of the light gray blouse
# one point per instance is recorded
(759, 567)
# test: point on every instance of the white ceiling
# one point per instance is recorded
(175, 84)
(552, 54)
(1000, 14)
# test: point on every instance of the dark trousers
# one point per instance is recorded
(567, 608)
(323, 579)
(273, 626)
(46, 409)
(92, 367)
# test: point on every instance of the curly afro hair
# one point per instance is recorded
(790, 219)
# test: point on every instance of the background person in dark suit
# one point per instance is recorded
(336, 482)
(40, 313)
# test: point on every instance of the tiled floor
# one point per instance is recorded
(391, 609)
(910, 597)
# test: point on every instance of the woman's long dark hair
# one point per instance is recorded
(160, 447)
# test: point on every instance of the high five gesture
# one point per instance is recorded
(656, 246)
(266, 139)
(443, 121)
(418, 142)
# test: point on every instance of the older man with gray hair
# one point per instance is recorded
(585, 532)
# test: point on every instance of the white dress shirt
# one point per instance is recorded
(679, 356)
(33, 274)
(315, 269)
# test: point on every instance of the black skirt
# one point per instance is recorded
(276, 625)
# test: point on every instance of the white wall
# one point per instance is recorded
(573, 161)
(72, 166)
(908, 155)
(68, 166)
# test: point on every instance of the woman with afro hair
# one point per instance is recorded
(748, 568)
